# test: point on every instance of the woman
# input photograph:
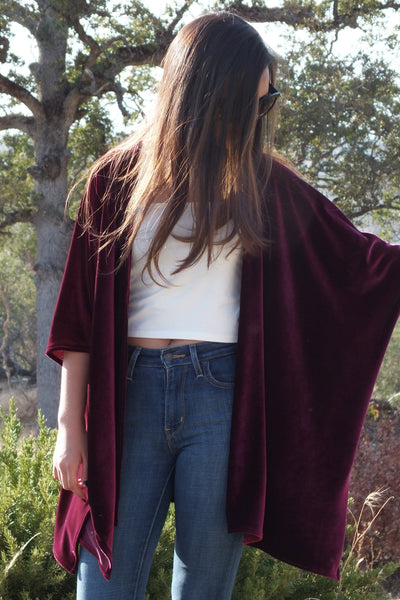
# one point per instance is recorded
(234, 415)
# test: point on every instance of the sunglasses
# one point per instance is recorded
(266, 102)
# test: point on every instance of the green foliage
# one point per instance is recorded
(388, 382)
(261, 577)
(340, 124)
(28, 571)
(17, 256)
(159, 583)
(91, 136)
(16, 187)
(17, 259)
(28, 500)
(356, 585)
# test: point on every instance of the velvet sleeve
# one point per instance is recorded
(317, 311)
(72, 319)
(328, 320)
(354, 275)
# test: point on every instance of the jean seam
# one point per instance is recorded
(147, 541)
(195, 360)
(132, 363)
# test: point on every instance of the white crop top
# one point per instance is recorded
(198, 303)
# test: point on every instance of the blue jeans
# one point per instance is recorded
(177, 433)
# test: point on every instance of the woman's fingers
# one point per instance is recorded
(70, 462)
(83, 479)
(70, 480)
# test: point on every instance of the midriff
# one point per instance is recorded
(159, 343)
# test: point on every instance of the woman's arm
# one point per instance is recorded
(70, 454)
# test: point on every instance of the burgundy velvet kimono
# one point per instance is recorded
(317, 312)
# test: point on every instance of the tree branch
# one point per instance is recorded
(85, 37)
(94, 10)
(20, 93)
(178, 16)
(96, 49)
(350, 17)
(4, 48)
(304, 16)
(17, 13)
(24, 215)
(360, 212)
(99, 76)
(145, 13)
(143, 54)
(291, 13)
(17, 121)
(101, 79)
(119, 92)
(98, 79)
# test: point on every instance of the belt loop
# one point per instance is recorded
(135, 351)
(195, 360)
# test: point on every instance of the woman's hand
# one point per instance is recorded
(70, 459)
(70, 463)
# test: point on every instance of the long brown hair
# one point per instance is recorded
(203, 144)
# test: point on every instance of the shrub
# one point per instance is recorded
(28, 501)
(261, 577)
(28, 571)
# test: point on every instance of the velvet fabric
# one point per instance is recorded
(317, 310)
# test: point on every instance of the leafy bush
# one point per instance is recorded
(261, 577)
(28, 571)
(28, 501)
(17, 303)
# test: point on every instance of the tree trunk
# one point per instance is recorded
(50, 174)
(53, 231)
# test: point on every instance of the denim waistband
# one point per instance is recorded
(179, 355)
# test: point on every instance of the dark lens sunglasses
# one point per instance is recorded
(265, 103)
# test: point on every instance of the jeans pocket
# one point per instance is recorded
(220, 371)
(133, 354)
